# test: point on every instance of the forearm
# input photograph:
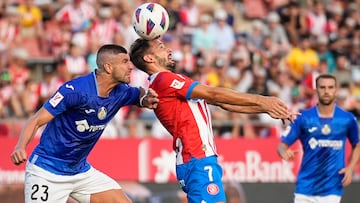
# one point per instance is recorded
(355, 156)
(242, 109)
(281, 149)
(27, 133)
(229, 96)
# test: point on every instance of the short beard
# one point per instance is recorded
(326, 103)
(171, 67)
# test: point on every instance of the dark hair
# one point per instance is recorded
(107, 50)
(325, 76)
(137, 51)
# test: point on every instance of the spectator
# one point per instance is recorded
(343, 70)
(224, 34)
(19, 74)
(50, 83)
(9, 35)
(73, 64)
(32, 30)
(277, 32)
(189, 16)
(5, 93)
(203, 40)
(316, 20)
(293, 20)
(126, 30)
(30, 98)
(324, 54)
(78, 13)
(302, 59)
(240, 73)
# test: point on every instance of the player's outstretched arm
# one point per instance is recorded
(349, 169)
(242, 102)
(19, 155)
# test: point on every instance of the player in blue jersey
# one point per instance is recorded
(322, 131)
(75, 117)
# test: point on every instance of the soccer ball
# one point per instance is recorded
(150, 20)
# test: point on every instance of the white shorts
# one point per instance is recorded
(43, 186)
(299, 198)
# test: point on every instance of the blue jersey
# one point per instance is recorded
(323, 141)
(80, 117)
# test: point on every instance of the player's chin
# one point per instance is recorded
(126, 80)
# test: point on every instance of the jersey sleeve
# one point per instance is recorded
(180, 85)
(353, 132)
(292, 132)
(62, 99)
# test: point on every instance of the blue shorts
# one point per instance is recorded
(201, 180)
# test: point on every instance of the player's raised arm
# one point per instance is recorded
(28, 132)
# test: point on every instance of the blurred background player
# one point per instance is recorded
(322, 131)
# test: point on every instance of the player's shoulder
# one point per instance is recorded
(80, 84)
(167, 77)
(343, 113)
(309, 111)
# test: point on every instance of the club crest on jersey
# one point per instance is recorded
(102, 113)
(56, 99)
(213, 189)
(177, 84)
(326, 129)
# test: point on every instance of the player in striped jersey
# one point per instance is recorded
(183, 110)
(322, 131)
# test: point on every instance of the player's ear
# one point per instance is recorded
(148, 58)
(108, 67)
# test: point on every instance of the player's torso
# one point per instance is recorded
(323, 141)
(187, 120)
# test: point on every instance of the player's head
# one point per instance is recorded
(114, 61)
(326, 88)
(145, 54)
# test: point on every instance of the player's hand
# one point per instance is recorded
(19, 156)
(277, 109)
(289, 154)
(151, 99)
(347, 176)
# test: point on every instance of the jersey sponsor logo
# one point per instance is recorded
(177, 84)
(313, 129)
(70, 87)
(89, 111)
(102, 113)
(83, 126)
(213, 189)
(335, 144)
(56, 99)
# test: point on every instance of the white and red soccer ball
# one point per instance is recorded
(150, 20)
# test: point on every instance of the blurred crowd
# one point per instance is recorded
(267, 47)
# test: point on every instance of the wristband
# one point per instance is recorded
(142, 99)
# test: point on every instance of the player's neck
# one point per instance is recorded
(326, 110)
(104, 86)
